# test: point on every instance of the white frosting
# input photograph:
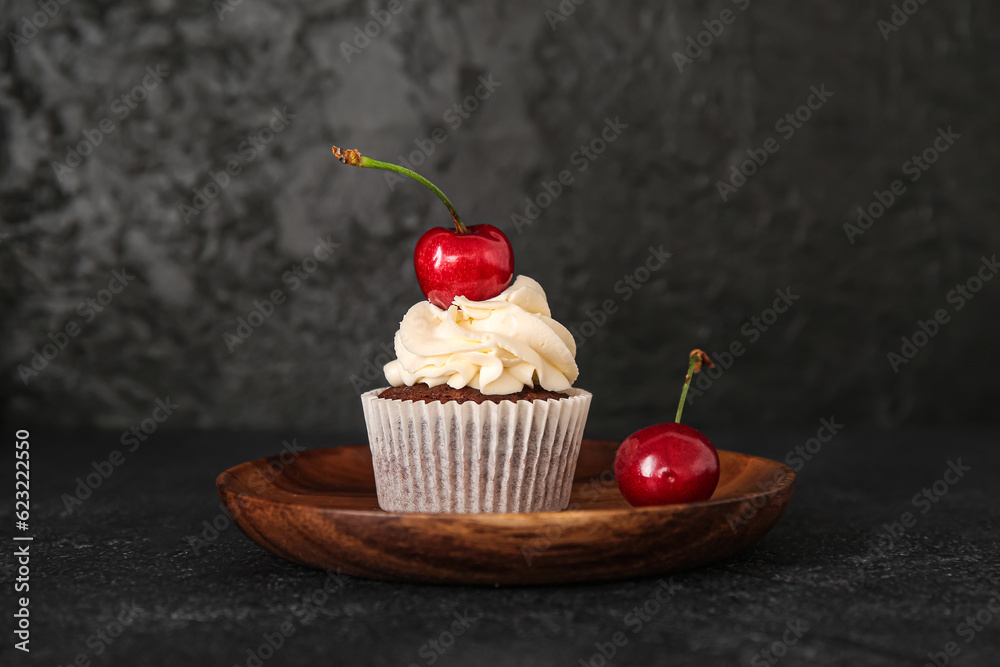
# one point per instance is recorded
(497, 346)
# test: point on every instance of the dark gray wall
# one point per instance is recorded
(65, 230)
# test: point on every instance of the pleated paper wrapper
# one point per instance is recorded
(512, 456)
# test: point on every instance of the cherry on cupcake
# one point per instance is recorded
(476, 262)
(671, 462)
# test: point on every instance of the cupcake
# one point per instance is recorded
(480, 414)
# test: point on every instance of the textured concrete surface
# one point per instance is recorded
(152, 535)
(227, 73)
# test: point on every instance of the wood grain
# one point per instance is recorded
(321, 510)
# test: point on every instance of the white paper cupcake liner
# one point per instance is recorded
(475, 457)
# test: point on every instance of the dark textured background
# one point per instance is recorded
(163, 335)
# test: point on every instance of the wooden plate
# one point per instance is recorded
(321, 510)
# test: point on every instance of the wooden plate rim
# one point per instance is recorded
(227, 481)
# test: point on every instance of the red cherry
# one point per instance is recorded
(665, 464)
(669, 463)
(478, 264)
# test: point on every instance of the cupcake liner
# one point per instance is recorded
(512, 456)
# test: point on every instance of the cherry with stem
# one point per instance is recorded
(476, 262)
(671, 462)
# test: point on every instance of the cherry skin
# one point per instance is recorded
(666, 464)
(478, 264)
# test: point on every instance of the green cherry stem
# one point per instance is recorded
(697, 358)
(354, 158)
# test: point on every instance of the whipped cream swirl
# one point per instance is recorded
(499, 346)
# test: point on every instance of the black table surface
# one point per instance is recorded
(835, 582)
